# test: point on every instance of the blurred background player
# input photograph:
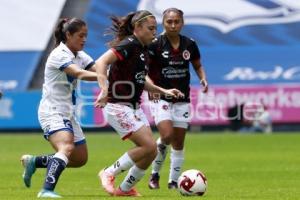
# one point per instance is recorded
(170, 56)
(260, 121)
(66, 63)
(128, 61)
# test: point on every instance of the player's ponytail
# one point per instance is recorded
(123, 27)
(67, 25)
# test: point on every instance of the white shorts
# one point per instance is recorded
(178, 113)
(124, 119)
(54, 122)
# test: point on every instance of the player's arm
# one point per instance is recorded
(92, 68)
(154, 89)
(201, 74)
(152, 95)
(102, 64)
(74, 71)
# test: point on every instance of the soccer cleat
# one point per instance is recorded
(107, 181)
(132, 192)
(48, 194)
(154, 181)
(172, 185)
(28, 162)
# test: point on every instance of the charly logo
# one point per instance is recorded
(142, 57)
(228, 15)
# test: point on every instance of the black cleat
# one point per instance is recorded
(172, 185)
(154, 181)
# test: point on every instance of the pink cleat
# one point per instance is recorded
(107, 181)
(132, 192)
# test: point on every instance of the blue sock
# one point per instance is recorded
(42, 161)
(54, 169)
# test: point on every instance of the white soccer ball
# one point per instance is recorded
(192, 183)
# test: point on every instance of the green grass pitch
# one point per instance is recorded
(237, 166)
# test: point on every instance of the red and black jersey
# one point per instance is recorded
(169, 67)
(127, 75)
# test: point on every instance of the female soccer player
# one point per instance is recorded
(120, 97)
(170, 56)
(66, 63)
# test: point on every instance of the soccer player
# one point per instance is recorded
(170, 56)
(120, 97)
(66, 63)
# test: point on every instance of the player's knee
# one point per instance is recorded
(68, 149)
(151, 150)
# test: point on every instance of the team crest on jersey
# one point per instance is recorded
(228, 15)
(165, 107)
(186, 55)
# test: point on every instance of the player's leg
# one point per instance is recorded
(30, 163)
(63, 142)
(161, 110)
(50, 123)
(126, 121)
(79, 156)
(181, 119)
(176, 156)
(142, 155)
(165, 129)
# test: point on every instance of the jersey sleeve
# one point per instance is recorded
(60, 60)
(195, 53)
(87, 61)
(122, 50)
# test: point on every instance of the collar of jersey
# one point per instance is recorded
(66, 49)
(135, 40)
(166, 40)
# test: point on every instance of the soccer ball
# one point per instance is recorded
(192, 183)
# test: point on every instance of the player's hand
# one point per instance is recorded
(204, 85)
(174, 93)
(101, 99)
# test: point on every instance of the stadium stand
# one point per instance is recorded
(24, 39)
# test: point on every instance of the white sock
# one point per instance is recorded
(121, 165)
(177, 158)
(62, 157)
(134, 175)
(162, 151)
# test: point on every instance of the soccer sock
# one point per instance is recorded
(134, 175)
(55, 167)
(121, 165)
(177, 158)
(160, 157)
(42, 161)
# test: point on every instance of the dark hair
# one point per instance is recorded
(123, 27)
(67, 25)
(176, 10)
